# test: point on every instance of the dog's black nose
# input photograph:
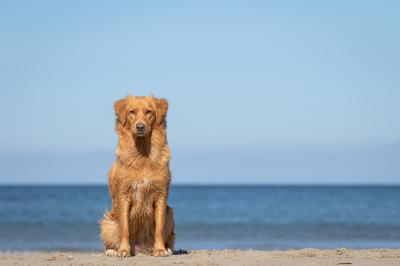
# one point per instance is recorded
(140, 127)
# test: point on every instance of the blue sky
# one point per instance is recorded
(259, 91)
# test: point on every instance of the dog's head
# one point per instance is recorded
(141, 114)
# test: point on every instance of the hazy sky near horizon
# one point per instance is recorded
(259, 91)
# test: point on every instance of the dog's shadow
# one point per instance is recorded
(180, 252)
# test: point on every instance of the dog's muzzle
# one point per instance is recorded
(140, 129)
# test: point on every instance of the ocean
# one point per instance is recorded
(211, 217)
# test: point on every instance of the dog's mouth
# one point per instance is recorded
(140, 134)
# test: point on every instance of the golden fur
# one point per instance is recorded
(140, 220)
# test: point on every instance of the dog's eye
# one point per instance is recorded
(149, 112)
(132, 112)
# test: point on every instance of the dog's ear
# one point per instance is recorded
(161, 111)
(120, 111)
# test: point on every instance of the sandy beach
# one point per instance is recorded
(342, 256)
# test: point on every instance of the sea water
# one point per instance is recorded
(208, 217)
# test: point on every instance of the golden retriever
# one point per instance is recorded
(140, 220)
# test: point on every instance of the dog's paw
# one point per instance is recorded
(123, 252)
(162, 252)
(169, 252)
(111, 252)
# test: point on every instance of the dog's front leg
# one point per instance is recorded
(124, 207)
(159, 246)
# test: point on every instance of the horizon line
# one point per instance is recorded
(210, 184)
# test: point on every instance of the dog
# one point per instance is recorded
(140, 219)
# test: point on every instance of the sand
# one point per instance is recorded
(307, 257)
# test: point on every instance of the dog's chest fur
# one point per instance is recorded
(142, 190)
(143, 196)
